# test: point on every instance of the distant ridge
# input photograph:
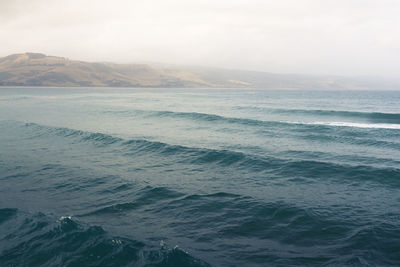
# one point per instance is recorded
(35, 69)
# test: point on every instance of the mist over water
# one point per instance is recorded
(184, 177)
(349, 38)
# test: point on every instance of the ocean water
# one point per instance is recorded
(184, 177)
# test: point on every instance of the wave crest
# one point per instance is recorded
(309, 169)
(38, 239)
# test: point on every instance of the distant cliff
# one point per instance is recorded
(33, 69)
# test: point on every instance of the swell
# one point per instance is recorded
(374, 120)
(340, 235)
(38, 239)
(312, 169)
(376, 117)
(146, 197)
(196, 116)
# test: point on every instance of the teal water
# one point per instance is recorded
(184, 177)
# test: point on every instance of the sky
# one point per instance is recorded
(338, 37)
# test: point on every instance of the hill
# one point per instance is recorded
(34, 69)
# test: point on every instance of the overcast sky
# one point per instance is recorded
(342, 37)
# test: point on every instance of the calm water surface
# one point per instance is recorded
(174, 177)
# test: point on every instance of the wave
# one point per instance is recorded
(380, 120)
(84, 136)
(222, 156)
(196, 116)
(311, 169)
(6, 214)
(291, 230)
(375, 117)
(355, 125)
(38, 239)
(147, 196)
(392, 121)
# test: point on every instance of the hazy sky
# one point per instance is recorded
(345, 37)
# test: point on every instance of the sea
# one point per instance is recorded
(199, 177)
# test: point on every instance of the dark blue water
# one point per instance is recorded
(146, 177)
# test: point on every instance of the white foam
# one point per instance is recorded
(62, 218)
(354, 124)
(116, 241)
(65, 217)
